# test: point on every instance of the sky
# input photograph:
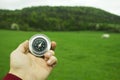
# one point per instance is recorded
(112, 6)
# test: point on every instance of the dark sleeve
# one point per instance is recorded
(11, 77)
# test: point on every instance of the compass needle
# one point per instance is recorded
(40, 44)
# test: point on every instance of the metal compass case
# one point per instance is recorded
(39, 44)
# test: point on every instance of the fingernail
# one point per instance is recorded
(49, 62)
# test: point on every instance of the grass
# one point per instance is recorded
(82, 55)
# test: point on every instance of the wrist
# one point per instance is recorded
(22, 75)
(17, 73)
(10, 76)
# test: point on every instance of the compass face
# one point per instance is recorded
(39, 44)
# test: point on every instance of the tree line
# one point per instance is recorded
(46, 18)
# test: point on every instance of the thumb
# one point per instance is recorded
(23, 47)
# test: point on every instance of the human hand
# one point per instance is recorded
(29, 67)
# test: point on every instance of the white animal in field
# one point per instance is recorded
(105, 36)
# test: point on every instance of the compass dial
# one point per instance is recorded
(39, 44)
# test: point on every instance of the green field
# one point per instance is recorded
(81, 55)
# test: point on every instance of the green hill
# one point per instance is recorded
(60, 19)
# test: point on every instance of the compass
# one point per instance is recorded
(39, 44)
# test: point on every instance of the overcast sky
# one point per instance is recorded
(112, 6)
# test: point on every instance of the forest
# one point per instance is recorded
(61, 18)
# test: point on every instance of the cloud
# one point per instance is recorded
(112, 6)
(11, 4)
